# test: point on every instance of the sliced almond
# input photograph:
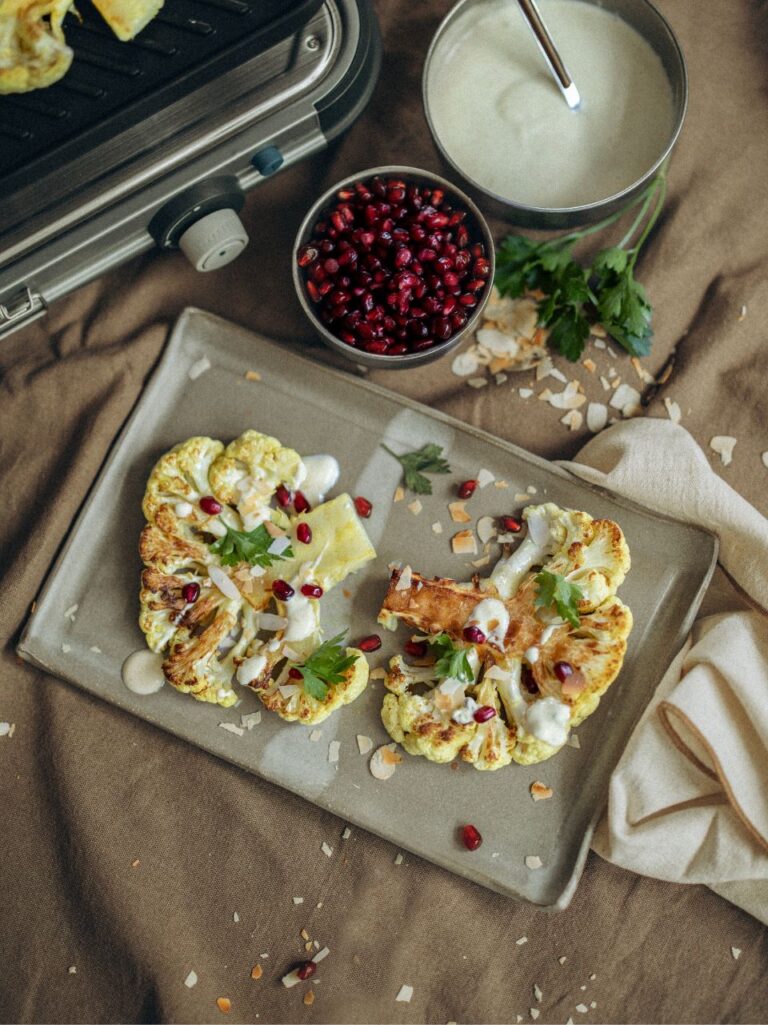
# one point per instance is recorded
(384, 761)
(458, 512)
(464, 543)
(540, 791)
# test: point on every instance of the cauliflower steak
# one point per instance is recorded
(512, 662)
(234, 577)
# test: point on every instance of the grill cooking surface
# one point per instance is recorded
(107, 76)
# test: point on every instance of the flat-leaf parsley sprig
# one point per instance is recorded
(452, 662)
(573, 295)
(248, 546)
(555, 590)
(428, 459)
(325, 667)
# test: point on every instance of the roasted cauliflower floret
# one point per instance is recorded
(542, 674)
(213, 549)
(291, 701)
(33, 51)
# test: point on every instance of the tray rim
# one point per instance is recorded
(174, 339)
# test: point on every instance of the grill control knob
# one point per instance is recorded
(214, 241)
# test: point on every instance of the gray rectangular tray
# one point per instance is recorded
(313, 408)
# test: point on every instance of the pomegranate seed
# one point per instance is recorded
(363, 506)
(314, 295)
(441, 328)
(416, 649)
(190, 592)
(370, 643)
(304, 533)
(300, 504)
(471, 838)
(467, 299)
(283, 496)
(331, 266)
(209, 505)
(295, 674)
(484, 713)
(312, 590)
(563, 670)
(306, 970)
(282, 590)
(477, 285)
(474, 635)
(528, 680)
(346, 194)
(467, 488)
(511, 525)
(306, 255)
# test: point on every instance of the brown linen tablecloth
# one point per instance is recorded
(126, 853)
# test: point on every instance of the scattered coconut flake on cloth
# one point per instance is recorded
(597, 416)
(7, 729)
(384, 761)
(326, 849)
(321, 954)
(298, 900)
(398, 859)
(724, 445)
(521, 941)
(764, 459)
(191, 980)
(673, 411)
(534, 1012)
(347, 833)
(404, 995)
(465, 364)
(198, 368)
(735, 953)
(627, 399)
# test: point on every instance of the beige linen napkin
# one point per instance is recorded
(688, 801)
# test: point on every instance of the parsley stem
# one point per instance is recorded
(660, 195)
(575, 236)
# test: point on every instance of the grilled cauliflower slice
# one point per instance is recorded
(545, 675)
(292, 703)
(202, 612)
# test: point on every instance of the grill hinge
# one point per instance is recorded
(20, 308)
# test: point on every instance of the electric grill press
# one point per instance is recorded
(154, 142)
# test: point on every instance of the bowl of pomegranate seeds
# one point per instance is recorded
(393, 266)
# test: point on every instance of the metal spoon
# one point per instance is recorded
(552, 57)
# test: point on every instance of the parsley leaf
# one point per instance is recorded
(248, 546)
(429, 459)
(451, 661)
(622, 303)
(325, 667)
(555, 590)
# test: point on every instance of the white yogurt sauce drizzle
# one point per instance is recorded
(539, 543)
(491, 616)
(502, 119)
(251, 669)
(142, 672)
(183, 509)
(320, 474)
(546, 719)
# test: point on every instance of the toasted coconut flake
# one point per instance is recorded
(198, 368)
(298, 900)
(135, 863)
(405, 580)
(66, 648)
(525, 393)
(724, 445)
(379, 673)
(252, 375)
(589, 364)
(189, 982)
(569, 398)
(523, 939)
(582, 1008)
(545, 395)
(459, 513)
(501, 378)
(735, 953)
(6, 729)
(415, 507)
(231, 727)
(315, 735)
(540, 791)
(364, 744)
(291, 979)
(309, 998)
(384, 761)
(501, 484)
(437, 528)
(477, 382)
(500, 343)
(521, 496)
(70, 612)
(464, 543)
(344, 836)
(404, 995)
(537, 994)
(398, 858)
(562, 959)
(592, 977)
(486, 529)
(764, 459)
(534, 1012)
(573, 420)
(466, 363)
(321, 954)
(641, 372)
(326, 849)
(250, 720)
(257, 971)
(224, 1004)
(484, 478)
(605, 383)
(533, 861)
(626, 398)
(95, 649)
(573, 741)
(597, 416)
(482, 561)
(673, 411)
(235, 917)
(333, 751)
(399, 494)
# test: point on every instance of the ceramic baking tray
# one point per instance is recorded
(200, 387)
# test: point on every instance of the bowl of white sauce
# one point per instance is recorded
(499, 119)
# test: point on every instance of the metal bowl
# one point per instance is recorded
(478, 229)
(653, 27)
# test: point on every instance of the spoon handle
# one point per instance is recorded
(548, 48)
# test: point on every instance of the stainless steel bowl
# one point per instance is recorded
(653, 27)
(478, 229)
